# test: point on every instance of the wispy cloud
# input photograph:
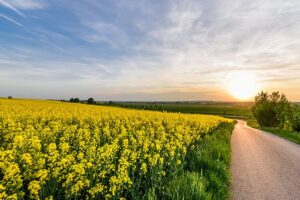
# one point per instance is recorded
(156, 47)
(18, 5)
(11, 20)
(10, 6)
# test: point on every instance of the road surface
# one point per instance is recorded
(264, 166)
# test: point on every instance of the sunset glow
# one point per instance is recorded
(149, 51)
(243, 85)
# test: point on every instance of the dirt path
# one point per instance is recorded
(264, 166)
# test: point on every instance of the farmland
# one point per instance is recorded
(234, 110)
(54, 150)
(226, 109)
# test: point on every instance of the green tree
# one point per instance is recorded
(295, 119)
(75, 100)
(91, 101)
(272, 110)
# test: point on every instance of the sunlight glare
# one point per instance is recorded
(242, 85)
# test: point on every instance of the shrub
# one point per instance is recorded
(271, 110)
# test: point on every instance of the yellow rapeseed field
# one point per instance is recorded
(52, 149)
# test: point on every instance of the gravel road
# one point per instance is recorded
(264, 166)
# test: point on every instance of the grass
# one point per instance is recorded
(290, 135)
(206, 172)
(253, 123)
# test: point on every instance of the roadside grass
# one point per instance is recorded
(252, 123)
(290, 135)
(205, 174)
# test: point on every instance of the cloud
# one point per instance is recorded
(18, 5)
(159, 48)
(11, 20)
(10, 6)
(23, 4)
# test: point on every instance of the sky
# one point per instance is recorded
(147, 50)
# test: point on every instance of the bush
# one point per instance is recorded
(74, 100)
(272, 110)
(91, 101)
(296, 118)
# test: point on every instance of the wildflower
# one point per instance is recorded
(51, 147)
(34, 188)
(42, 175)
(64, 147)
(26, 157)
(144, 168)
(92, 151)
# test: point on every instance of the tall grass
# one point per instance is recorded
(205, 174)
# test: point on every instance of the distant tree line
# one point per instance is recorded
(77, 100)
(275, 110)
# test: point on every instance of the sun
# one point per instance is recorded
(242, 85)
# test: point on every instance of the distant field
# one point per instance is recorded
(231, 110)
(234, 110)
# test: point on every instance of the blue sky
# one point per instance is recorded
(147, 50)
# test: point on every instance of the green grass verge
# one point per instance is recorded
(290, 135)
(252, 123)
(206, 173)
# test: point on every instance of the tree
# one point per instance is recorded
(74, 100)
(272, 110)
(295, 119)
(9, 97)
(91, 101)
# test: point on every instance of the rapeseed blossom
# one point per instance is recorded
(50, 149)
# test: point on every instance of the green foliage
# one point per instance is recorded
(74, 100)
(189, 185)
(277, 115)
(91, 101)
(272, 110)
(295, 119)
(290, 135)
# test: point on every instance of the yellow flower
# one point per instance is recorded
(65, 147)
(96, 190)
(49, 198)
(144, 168)
(26, 157)
(2, 187)
(34, 188)
(42, 175)
(18, 140)
(51, 147)
(92, 150)
(178, 162)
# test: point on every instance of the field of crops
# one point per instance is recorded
(240, 110)
(54, 150)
